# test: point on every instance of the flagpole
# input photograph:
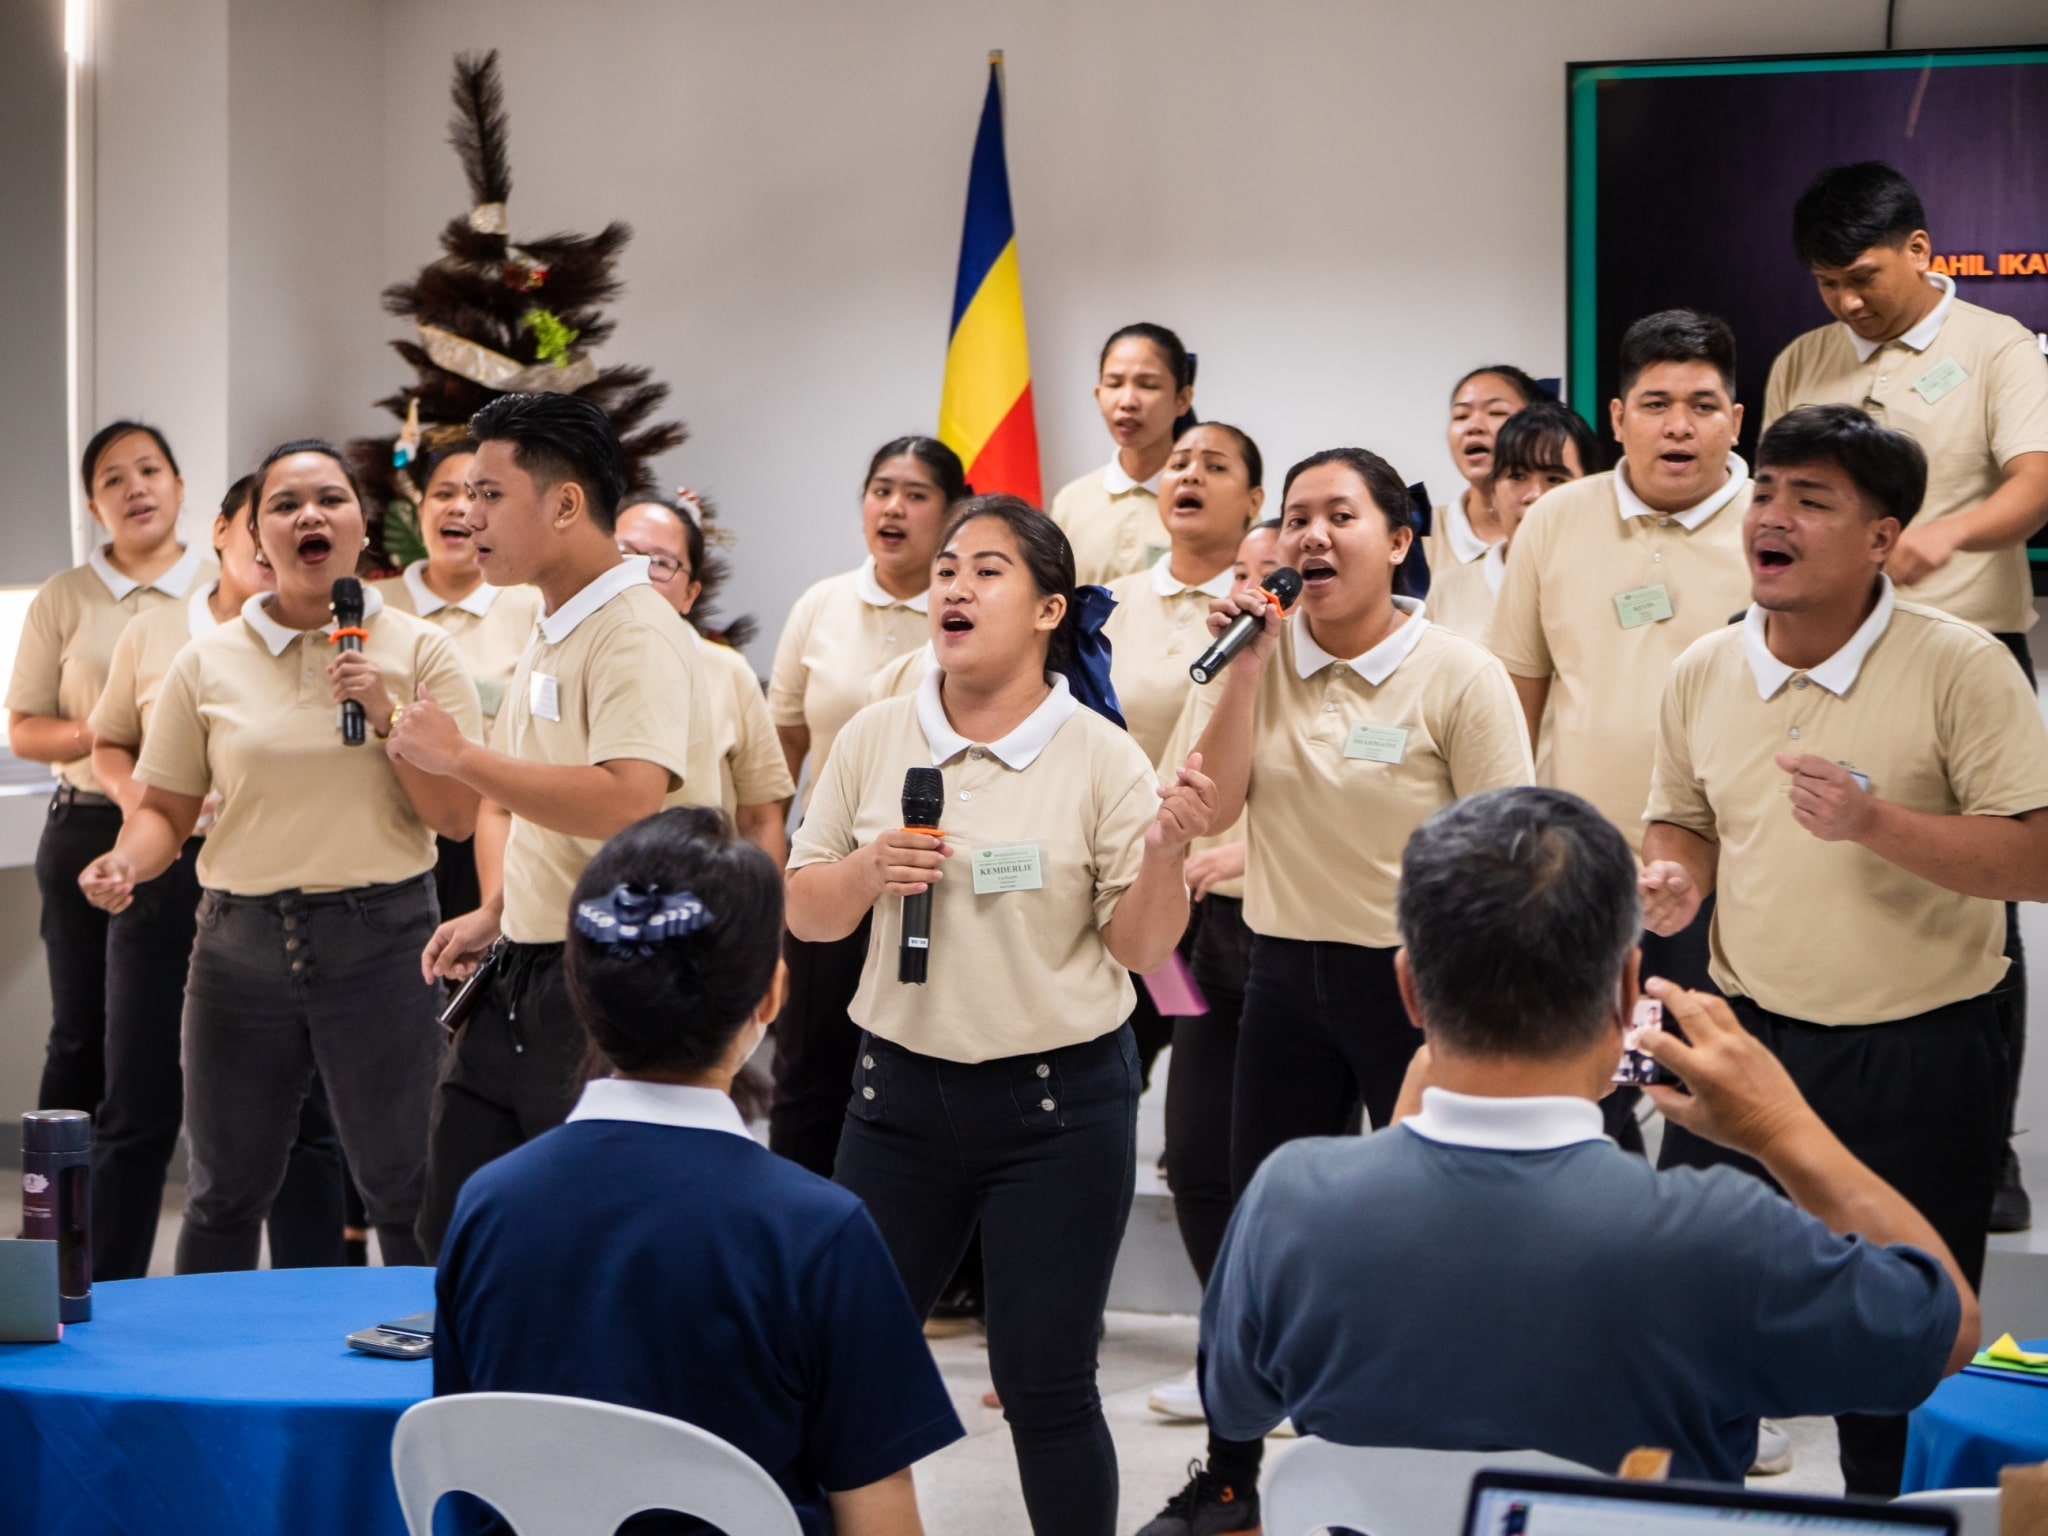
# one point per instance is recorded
(995, 62)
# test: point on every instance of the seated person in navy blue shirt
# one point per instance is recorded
(1491, 1273)
(651, 1253)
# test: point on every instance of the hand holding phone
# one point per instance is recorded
(1637, 1070)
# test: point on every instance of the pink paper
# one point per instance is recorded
(1173, 991)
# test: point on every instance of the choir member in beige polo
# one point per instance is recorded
(1145, 389)
(1466, 527)
(594, 735)
(1002, 1089)
(317, 872)
(1864, 781)
(840, 636)
(134, 492)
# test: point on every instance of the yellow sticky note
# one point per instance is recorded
(2008, 1351)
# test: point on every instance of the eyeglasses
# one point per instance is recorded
(663, 568)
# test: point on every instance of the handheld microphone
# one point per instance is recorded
(347, 600)
(1285, 585)
(924, 797)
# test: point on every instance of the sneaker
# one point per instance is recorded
(1773, 1449)
(1207, 1506)
(2011, 1210)
(958, 1312)
(1179, 1399)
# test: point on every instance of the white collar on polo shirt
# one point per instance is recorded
(1117, 482)
(1921, 337)
(1838, 673)
(426, 600)
(559, 625)
(1690, 519)
(672, 1104)
(1535, 1124)
(875, 595)
(275, 637)
(1166, 584)
(199, 610)
(1377, 664)
(1019, 749)
(1465, 544)
(1496, 567)
(175, 582)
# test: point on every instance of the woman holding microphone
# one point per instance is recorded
(841, 633)
(1004, 1088)
(317, 873)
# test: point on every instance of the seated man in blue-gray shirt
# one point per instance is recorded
(1491, 1273)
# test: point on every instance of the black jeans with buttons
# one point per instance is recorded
(1041, 1151)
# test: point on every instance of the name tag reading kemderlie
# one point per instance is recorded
(1012, 867)
(1643, 605)
(1377, 743)
(1939, 380)
(543, 696)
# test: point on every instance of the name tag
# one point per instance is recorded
(490, 696)
(1939, 380)
(1377, 743)
(1154, 553)
(543, 696)
(1643, 605)
(1012, 867)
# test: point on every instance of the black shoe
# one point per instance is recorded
(2011, 1210)
(1208, 1506)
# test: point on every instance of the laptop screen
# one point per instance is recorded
(1504, 1504)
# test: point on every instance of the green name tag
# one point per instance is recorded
(1013, 867)
(490, 695)
(1643, 605)
(1939, 380)
(1377, 743)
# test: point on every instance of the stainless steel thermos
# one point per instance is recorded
(56, 1167)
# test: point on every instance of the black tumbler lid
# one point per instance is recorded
(56, 1130)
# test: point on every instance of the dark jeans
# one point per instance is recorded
(1199, 1082)
(149, 949)
(2012, 992)
(77, 831)
(514, 1071)
(281, 987)
(1323, 1030)
(1041, 1150)
(1920, 1101)
(815, 1044)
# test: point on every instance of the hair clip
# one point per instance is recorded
(640, 916)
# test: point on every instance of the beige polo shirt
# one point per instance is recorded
(1971, 387)
(247, 710)
(1113, 522)
(735, 754)
(490, 627)
(1158, 628)
(1055, 815)
(1349, 756)
(1585, 551)
(839, 635)
(142, 660)
(611, 675)
(1462, 585)
(68, 637)
(1935, 714)
(1187, 732)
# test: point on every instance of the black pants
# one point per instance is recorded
(78, 830)
(815, 1045)
(1041, 1150)
(1199, 1082)
(1323, 1030)
(514, 1071)
(1920, 1101)
(2012, 993)
(149, 949)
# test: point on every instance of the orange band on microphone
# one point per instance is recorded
(923, 831)
(348, 634)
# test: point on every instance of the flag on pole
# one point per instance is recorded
(985, 411)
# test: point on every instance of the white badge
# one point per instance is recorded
(1012, 867)
(543, 696)
(1377, 743)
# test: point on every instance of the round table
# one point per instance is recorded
(213, 1404)
(1972, 1426)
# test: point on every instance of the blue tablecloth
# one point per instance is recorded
(212, 1405)
(1972, 1426)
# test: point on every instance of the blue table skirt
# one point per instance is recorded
(1972, 1426)
(212, 1405)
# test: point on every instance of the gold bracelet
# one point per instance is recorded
(391, 724)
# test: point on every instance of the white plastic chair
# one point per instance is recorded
(1976, 1508)
(567, 1466)
(1383, 1491)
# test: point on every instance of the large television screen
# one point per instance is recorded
(1683, 174)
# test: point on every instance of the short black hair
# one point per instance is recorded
(1525, 385)
(556, 438)
(1848, 209)
(1677, 336)
(1532, 440)
(675, 1006)
(1888, 469)
(107, 436)
(1247, 450)
(1518, 909)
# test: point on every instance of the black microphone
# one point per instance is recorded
(1284, 584)
(347, 600)
(924, 797)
